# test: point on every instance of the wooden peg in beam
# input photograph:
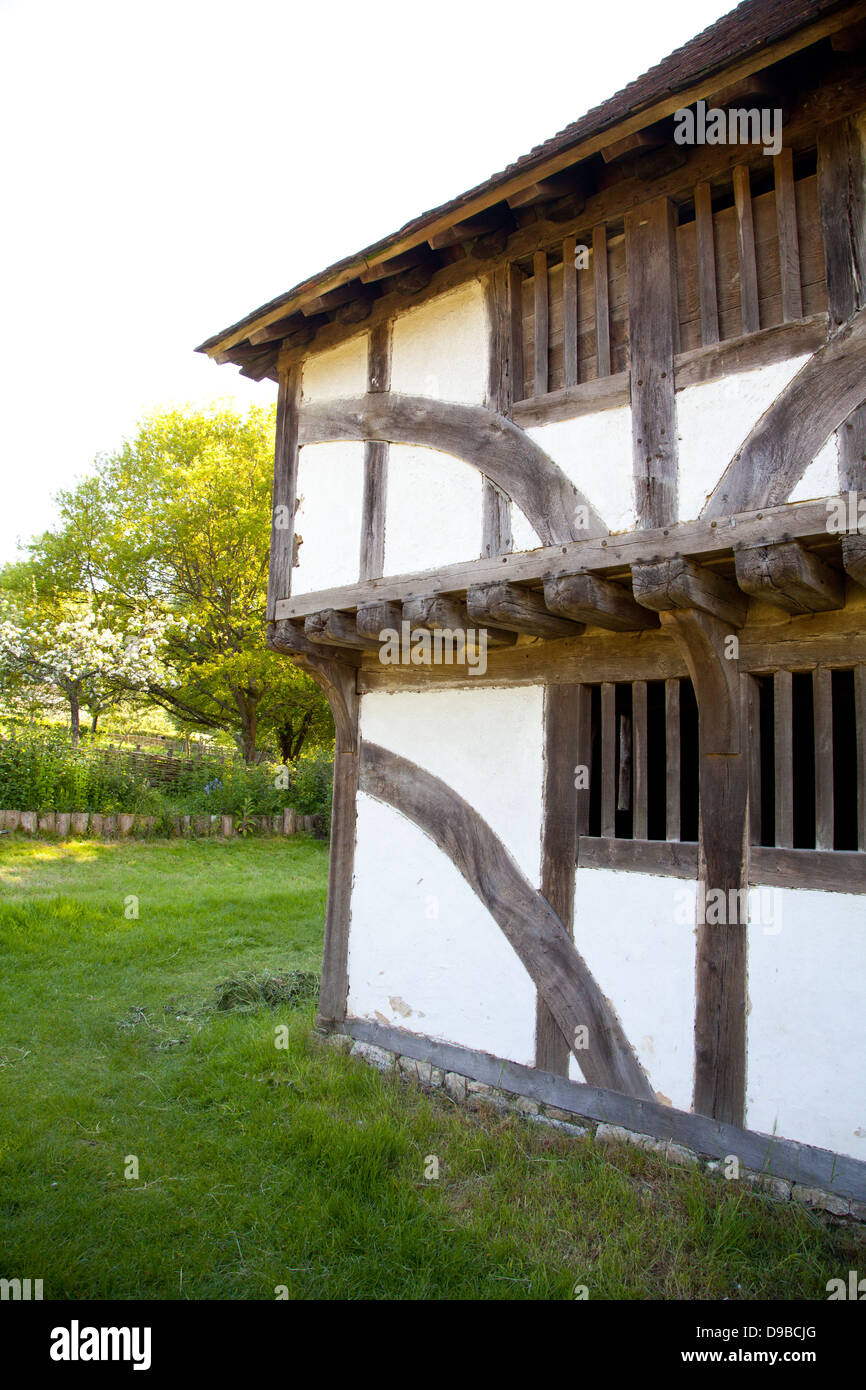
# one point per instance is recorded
(789, 576)
(664, 585)
(588, 599)
(519, 610)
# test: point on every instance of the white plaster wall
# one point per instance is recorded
(440, 348)
(487, 745)
(339, 372)
(636, 933)
(595, 452)
(524, 535)
(433, 510)
(330, 489)
(806, 1077)
(424, 954)
(715, 417)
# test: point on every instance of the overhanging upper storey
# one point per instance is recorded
(620, 379)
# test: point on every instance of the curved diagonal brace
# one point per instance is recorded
(494, 445)
(526, 918)
(777, 452)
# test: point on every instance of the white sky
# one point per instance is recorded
(168, 166)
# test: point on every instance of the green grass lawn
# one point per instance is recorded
(261, 1167)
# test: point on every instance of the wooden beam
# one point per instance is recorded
(373, 618)
(526, 918)
(640, 747)
(437, 612)
(653, 339)
(515, 330)
(496, 537)
(608, 759)
(517, 610)
(558, 847)
(337, 630)
(783, 716)
(706, 251)
(720, 976)
(860, 719)
(752, 737)
(394, 265)
(748, 267)
(680, 583)
(588, 599)
(842, 207)
(569, 312)
(822, 691)
(612, 554)
(569, 402)
(775, 455)
(789, 576)
(789, 240)
(375, 494)
(467, 230)
(542, 317)
(602, 306)
(284, 495)
(673, 762)
(498, 448)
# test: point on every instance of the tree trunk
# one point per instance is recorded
(74, 724)
(94, 721)
(291, 742)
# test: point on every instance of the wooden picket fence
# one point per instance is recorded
(65, 824)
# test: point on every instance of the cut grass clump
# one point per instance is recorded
(250, 990)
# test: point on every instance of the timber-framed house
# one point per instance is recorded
(601, 421)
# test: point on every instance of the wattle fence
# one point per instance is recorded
(76, 824)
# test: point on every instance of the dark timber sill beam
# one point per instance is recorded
(762, 1153)
(700, 539)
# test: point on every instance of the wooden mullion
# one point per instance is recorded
(569, 312)
(284, 496)
(706, 253)
(542, 319)
(747, 263)
(608, 759)
(639, 759)
(495, 505)
(515, 331)
(602, 309)
(784, 758)
(789, 241)
(672, 758)
(562, 733)
(751, 701)
(822, 689)
(860, 718)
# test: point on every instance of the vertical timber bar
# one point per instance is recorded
(784, 756)
(342, 696)
(746, 250)
(650, 233)
(672, 757)
(562, 736)
(495, 506)
(285, 488)
(842, 208)
(752, 735)
(569, 312)
(608, 759)
(706, 265)
(789, 241)
(602, 310)
(515, 331)
(639, 759)
(542, 320)
(823, 704)
(372, 564)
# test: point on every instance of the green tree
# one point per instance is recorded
(178, 520)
